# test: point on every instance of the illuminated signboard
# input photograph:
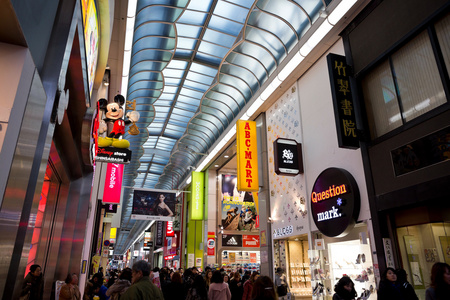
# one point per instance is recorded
(288, 158)
(113, 183)
(250, 241)
(169, 229)
(335, 202)
(344, 110)
(153, 205)
(247, 156)
(211, 243)
(197, 188)
(91, 40)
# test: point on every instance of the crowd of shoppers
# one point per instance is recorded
(141, 283)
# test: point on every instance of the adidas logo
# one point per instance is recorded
(232, 241)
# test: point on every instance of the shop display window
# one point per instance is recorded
(421, 246)
(245, 260)
(299, 268)
(292, 257)
(350, 258)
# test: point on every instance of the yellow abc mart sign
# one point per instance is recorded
(247, 156)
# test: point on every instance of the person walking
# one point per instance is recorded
(440, 282)
(263, 289)
(33, 284)
(174, 289)
(248, 286)
(406, 287)
(218, 290)
(197, 291)
(344, 289)
(120, 286)
(208, 277)
(142, 288)
(281, 283)
(389, 289)
(70, 290)
(236, 287)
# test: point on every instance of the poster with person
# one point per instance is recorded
(238, 208)
(154, 205)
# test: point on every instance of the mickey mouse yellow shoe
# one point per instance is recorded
(120, 143)
(104, 142)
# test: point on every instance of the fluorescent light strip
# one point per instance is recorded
(340, 10)
(129, 32)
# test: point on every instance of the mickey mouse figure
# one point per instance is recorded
(113, 113)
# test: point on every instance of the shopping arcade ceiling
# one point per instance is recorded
(194, 66)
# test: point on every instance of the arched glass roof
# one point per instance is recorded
(194, 66)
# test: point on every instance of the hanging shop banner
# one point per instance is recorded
(169, 229)
(113, 184)
(197, 188)
(247, 156)
(231, 240)
(344, 110)
(335, 202)
(159, 234)
(250, 241)
(147, 239)
(211, 243)
(288, 158)
(153, 205)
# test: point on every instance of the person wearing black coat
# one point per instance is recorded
(344, 289)
(174, 288)
(389, 289)
(33, 283)
(406, 287)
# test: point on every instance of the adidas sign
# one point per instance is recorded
(232, 242)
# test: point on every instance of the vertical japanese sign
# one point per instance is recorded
(113, 183)
(197, 187)
(247, 156)
(387, 243)
(342, 101)
(159, 233)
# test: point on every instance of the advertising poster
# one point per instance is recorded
(253, 257)
(91, 42)
(153, 205)
(232, 257)
(238, 208)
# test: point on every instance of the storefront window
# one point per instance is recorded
(292, 257)
(407, 84)
(420, 247)
(245, 260)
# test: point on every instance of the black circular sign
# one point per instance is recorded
(335, 202)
